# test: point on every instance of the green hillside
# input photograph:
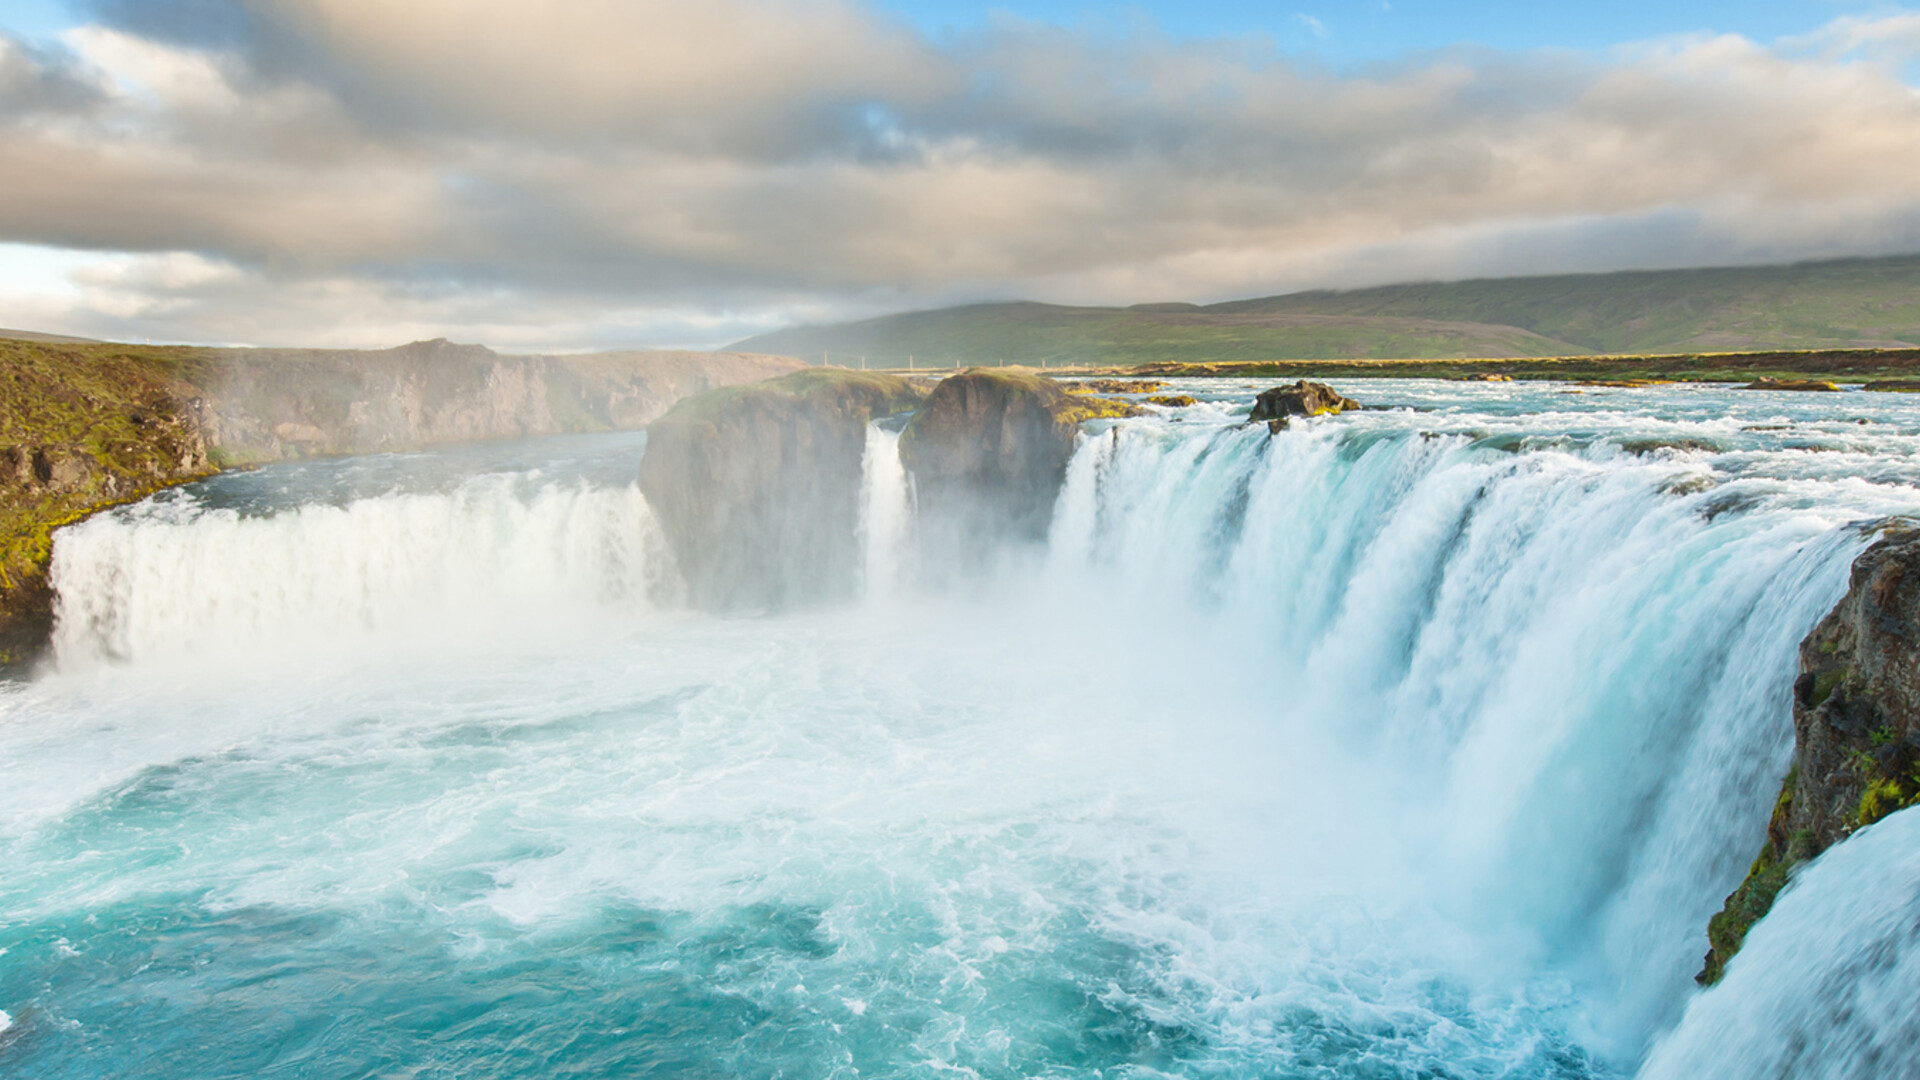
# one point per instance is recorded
(1851, 303)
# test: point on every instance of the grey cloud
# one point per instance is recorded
(453, 161)
(35, 83)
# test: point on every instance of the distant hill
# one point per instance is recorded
(1848, 303)
(35, 335)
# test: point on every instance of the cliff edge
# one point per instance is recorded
(85, 426)
(1856, 725)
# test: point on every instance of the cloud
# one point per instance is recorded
(595, 172)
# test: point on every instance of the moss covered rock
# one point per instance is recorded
(1856, 722)
(80, 430)
(758, 486)
(1766, 382)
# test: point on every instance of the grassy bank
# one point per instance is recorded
(82, 427)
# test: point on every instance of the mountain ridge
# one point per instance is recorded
(1831, 304)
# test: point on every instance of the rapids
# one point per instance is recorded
(1419, 742)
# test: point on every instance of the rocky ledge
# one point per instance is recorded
(758, 487)
(1856, 724)
(988, 453)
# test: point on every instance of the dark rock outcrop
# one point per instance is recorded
(1282, 403)
(758, 486)
(987, 453)
(1856, 723)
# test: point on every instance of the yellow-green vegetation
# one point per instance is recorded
(1173, 401)
(82, 427)
(1727, 931)
(1845, 304)
(1113, 386)
(1800, 385)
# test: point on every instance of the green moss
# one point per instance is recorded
(110, 424)
(1824, 684)
(1881, 798)
(1081, 408)
(1746, 905)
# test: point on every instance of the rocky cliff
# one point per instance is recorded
(263, 405)
(987, 453)
(84, 426)
(77, 433)
(1856, 722)
(758, 487)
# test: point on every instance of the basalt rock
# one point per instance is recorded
(1282, 403)
(758, 486)
(1856, 724)
(987, 453)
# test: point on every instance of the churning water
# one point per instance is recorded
(1413, 743)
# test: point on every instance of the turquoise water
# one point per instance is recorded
(1417, 743)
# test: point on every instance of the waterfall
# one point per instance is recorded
(1402, 743)
(178, 578)
(1566, 671)
(1826, 985)
(885, 511)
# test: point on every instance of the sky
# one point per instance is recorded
(584, 174)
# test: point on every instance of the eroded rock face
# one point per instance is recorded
(987, 453)
(1282, 403)
(266, 405)
(758, 486)
(1856, 724)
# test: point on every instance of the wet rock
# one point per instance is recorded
(1488, 376)
(757, 487)
(1856, 724)
(1804, 385)
(987, 453)
(1173, 401)
(1282, 403)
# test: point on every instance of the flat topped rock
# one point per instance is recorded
(987, 453)
(1769, 383)
(757, 486)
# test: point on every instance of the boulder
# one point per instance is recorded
(757, 486)
(1766, 382)
(1856, 725)
(1282, 403)
(1173, 401)
(987, 453)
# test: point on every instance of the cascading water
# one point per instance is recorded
(1418, 742)
(885, 513)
